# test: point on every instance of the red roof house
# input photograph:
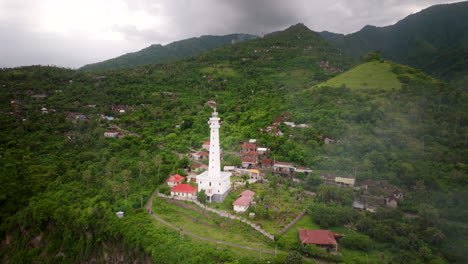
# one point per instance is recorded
(321, 238)
(206, 145)
(174, 180)
(246, 162)
(278, 120)
(248, 147)
(184, 190)
(242, 203)
(199, 167)
(247, 193)
(200, 155)
(267, 163)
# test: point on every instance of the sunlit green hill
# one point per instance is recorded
(370, 75)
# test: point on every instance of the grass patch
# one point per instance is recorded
(370, 75)
(193, 219)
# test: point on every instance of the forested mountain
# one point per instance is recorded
(62, 181)
(158, 53)
(434, 40)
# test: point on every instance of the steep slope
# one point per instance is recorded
(422, 40)
(158, 53)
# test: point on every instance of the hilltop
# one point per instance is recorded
(157, 53)
(434, 40)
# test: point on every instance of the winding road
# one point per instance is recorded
(149, 205)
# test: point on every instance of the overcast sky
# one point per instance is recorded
(72, 33)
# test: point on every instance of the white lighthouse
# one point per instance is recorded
(215, 182)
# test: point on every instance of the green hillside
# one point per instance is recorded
(373, 75)
(158, 53)
(421, 40)
(63, 181)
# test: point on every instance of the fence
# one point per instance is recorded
(293, 222)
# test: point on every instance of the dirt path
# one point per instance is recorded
(149, 205)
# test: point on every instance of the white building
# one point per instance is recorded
(112, 134)
(214, 182)
(243, 202)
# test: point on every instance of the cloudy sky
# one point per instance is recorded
(71, 33)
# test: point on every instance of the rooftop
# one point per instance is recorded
(184, 188)
(242, 201)
(317, 237)
(175, 178)
(247, 193)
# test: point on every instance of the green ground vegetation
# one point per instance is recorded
(370, 75)
(200, 222)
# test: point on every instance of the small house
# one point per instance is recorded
(211, 103)
(267, 163)
(304, 170)
(277, 121)
(247, 162)
(391, 202)
(206, 145)
(248, 147)
(262, 151)
(120, 214)
(192, 178)
(368, 184)
(199, 167)
(175, 180)
(321, 238)
(344, 182)
(229, 168)
(200, 155)
(242, 204)
(254, 174)
(111, 134)
(289, 124)
(283, 168)
(184, 190)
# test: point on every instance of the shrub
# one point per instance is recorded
(357, 241)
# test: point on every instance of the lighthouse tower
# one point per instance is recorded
(215, 182)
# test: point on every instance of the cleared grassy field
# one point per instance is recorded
(370, 75)
(193, 219)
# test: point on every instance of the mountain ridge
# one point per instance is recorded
(156, 53)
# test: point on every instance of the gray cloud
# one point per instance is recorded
(164, 21)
